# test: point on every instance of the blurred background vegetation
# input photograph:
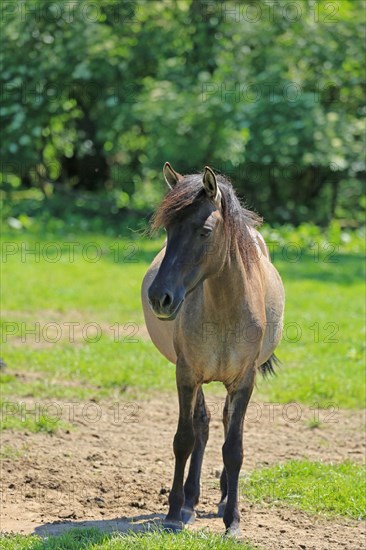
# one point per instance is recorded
(96, 96)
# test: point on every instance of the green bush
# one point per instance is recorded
(98, 99)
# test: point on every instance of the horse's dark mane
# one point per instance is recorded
(237, 219)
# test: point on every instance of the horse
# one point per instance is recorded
(213, 305)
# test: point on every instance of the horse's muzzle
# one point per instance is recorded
(163, 303)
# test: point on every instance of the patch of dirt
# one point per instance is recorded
(115, 468)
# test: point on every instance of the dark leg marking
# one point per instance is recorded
(201, 419)
(183, 445)
(232, 452)
(223, 477)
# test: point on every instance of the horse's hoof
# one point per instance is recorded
(221, 509)
(173, 526)
(188, 515)
(233, 531)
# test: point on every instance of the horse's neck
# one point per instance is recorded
(226, 293)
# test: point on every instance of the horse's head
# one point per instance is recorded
(192, 216)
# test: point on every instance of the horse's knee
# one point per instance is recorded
(183, 442)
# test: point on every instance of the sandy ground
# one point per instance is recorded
(113, 470)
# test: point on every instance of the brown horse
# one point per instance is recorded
(213, 304)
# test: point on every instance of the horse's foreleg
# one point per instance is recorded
(183, 445)
(201, 419)
(223, 477)
(232, 451)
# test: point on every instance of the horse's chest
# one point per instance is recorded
(221, 350)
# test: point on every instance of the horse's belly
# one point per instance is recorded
(274, 305)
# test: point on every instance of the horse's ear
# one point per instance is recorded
(171, 176)
(211, 186)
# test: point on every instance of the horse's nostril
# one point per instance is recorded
(161, 300)
(166, 300)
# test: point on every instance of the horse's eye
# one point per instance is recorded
(205, 232)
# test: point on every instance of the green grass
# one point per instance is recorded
(103, 367)
(16, 414)
(98, 275)
(322, 352)
(323, 347)
(313, 424)
(92, 539)
(107, 292)
(315, 487)
(10, 452)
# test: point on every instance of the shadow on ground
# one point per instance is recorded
(136, 524)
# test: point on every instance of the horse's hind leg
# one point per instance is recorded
(223, 477)
(201, 419)
(232, 451)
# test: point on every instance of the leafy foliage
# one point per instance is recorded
(99, 95)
